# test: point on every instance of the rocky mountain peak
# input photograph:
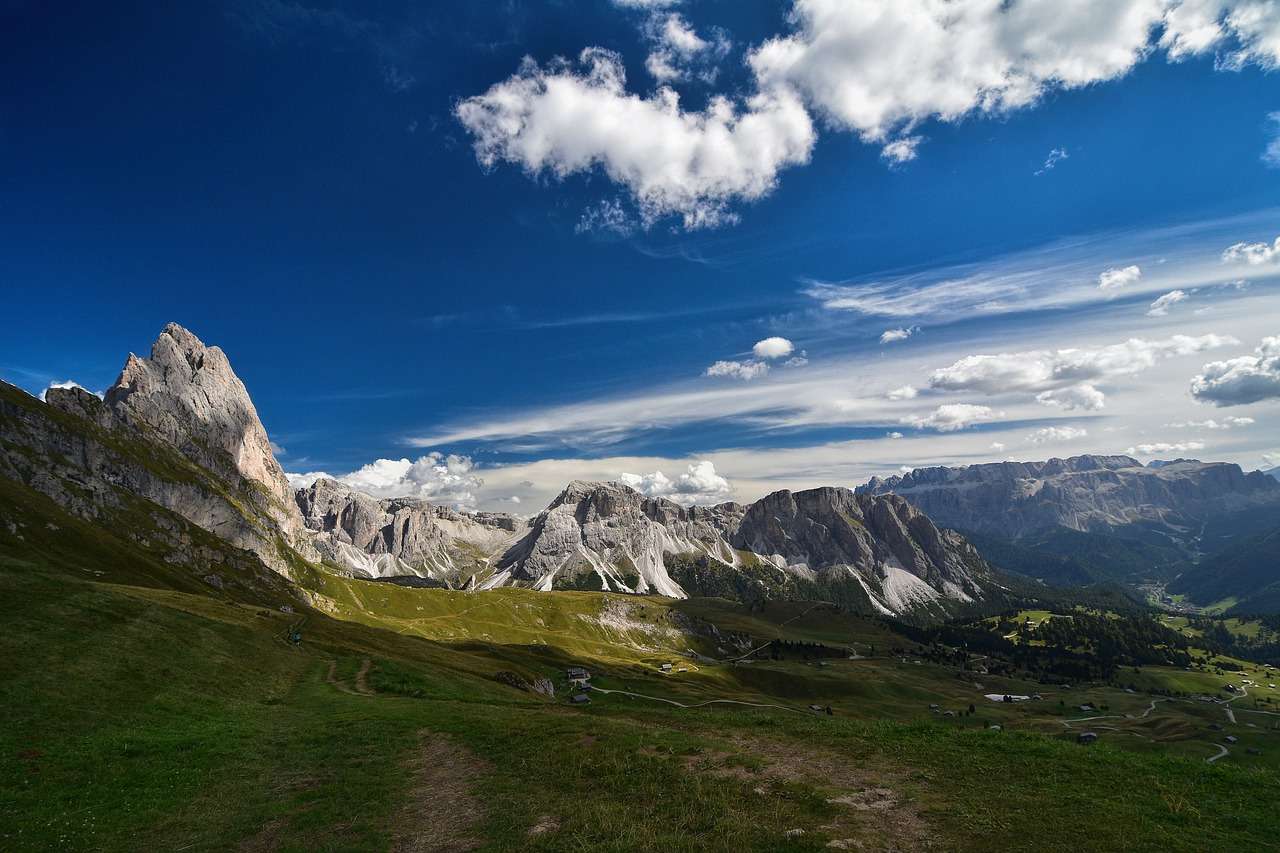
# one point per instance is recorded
(187, 394)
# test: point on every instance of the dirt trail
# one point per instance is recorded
(361, 681)
(1221, 754)
(440, 813)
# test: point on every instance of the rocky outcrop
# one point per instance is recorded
(606, 535)
(888, 546)
(177, 430)
(1085, 493)
(187, 395)
(401, 537)
(617, 535)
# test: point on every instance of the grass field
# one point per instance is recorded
(144, 711)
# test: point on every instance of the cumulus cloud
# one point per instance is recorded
(906, 392)
(878, 67)
(951, 417)
(895, 435)
(1160, 448)
(565, 118)
(1161, 306)
(67, 383)
(679, 52)
(1237, 381)
(435, 476)
(772, 348)
(699, 484)
(1038, 370)
(744, 370)
(1117, 277)
(1055, 435)
(874, 67)
(1211, 423)
(888, 336)
(1253, 254)
(997, 446)
(1082, 396)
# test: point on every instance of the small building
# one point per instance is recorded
(1086, 738)
(577, 673)
(665, 667)
(580, 699)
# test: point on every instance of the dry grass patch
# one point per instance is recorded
(440, 813)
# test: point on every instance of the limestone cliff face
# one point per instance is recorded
(619, 535)
(177, 430)
(400, 537)
(625, 540)
(1086, 493)
(187, 395)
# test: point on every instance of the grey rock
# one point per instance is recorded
(1085, 493)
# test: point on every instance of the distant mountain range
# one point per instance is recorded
(175, 452)
(1110, 518)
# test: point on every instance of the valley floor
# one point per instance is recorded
(139, 717)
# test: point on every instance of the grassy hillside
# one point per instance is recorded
(144, 708)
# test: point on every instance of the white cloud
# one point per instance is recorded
(1055, 435)
(905, 392)
(700, 484)
(1253, 254)
(1082, 396)
(879, 67)
(744, 370)
(1271, 154)
(1117, 277)
(276, 449)
(1192, 27)
(895, 435)
(1228, 422)
(567, 119)
(1046, 369)
(1161, 306)
(1056, 156)
(997, 446)
(902, 150)
(435, 476)
(1272, 459)
(678, 51)
(1160, 448)
(770, 348)
(796, 361)
(67, 383)
(888, 336)
(952, 416)
(1237, 381)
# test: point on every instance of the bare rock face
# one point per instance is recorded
(400, 537)
(187, 395)
(900, 557)
(1086, 493)
(177, 430)
(606, 535)
(617, 534)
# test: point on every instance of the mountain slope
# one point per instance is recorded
(607, 536)
(1247, 572)
(1103, 494)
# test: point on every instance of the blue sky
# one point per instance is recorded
(410, 243)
